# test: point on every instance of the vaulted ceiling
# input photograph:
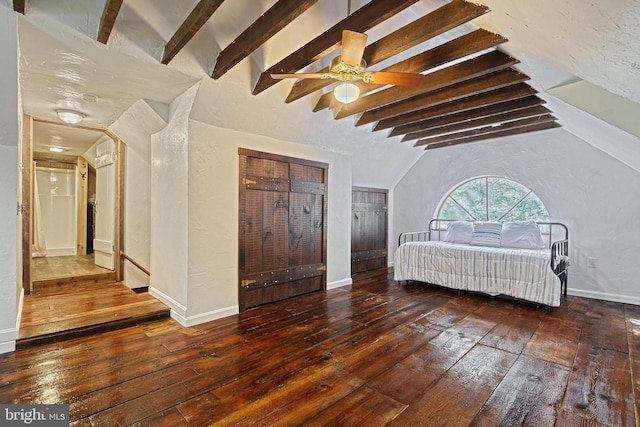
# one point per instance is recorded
(474, 57)
(470, 89)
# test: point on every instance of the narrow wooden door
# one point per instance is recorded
(368, 229)
(282, 235)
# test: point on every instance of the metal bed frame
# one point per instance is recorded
(553, 230)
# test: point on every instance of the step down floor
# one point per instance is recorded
(61, 311)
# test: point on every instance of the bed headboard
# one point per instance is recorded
(551, 232)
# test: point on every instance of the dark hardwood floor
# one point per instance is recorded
(376, 353)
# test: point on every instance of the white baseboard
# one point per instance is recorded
(339, 283)
(8, 339)
(604, 296)
(7, 347)
(179, 311)
(210, 316)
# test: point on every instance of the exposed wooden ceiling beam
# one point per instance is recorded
(519, 90)
(368, 16)
(431, 25)
(196, 20)
(497, 134)
(265, 27)
(480, 65)
(109, 15)
(480, 84)
(19, 6)
(467, 115)
(485, 130)
(460, 47)
(506, 116)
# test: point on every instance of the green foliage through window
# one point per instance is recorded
(492, 198)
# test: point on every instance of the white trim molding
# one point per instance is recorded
(339, 283)
(8, 339)
(210, 316)
(179, 311)
(604, 296)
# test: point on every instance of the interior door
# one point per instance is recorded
(105, 205)
(282, 236)
(368, 229)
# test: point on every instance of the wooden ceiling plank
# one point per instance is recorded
(519, 90)
(497, 134)
(484, 83)
(108, 20)
(19, 6)
(480, 65)
(196, 20)
(460, 47)
(485, 130)
(368, 16)
(430, 25)
(506, 116)
(266, 26)
(466, 115)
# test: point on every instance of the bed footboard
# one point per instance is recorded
(560, 262)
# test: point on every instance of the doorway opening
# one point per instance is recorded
(73, 190)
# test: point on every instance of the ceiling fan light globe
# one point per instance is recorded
(346, 92)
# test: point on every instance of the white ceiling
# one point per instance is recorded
(62, 66)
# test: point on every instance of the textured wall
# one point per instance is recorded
(213, 213)
(9, 128)
(580, 185)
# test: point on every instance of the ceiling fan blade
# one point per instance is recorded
(398, 79)
(297, 76)
(353, 45)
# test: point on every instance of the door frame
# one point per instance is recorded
(27, 176)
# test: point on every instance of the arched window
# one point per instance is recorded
(492, 198)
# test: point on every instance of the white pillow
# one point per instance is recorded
(459, 232)
(486, 234)
(521, 235)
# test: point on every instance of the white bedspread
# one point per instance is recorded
(519, 273)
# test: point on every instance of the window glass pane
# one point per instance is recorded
(451, 210)
(507, 201)
(503, 195)
(473, 197)
(530, 208)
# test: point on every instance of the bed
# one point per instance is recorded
(529, 261)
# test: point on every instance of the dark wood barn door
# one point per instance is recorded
(368, 229)
(282, 235)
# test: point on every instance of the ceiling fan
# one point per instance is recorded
(350, 67)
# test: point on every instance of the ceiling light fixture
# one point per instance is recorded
(69, 116)
(56, 149)
(346, 92)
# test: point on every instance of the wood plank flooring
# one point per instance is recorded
(372, 354)
(51, 268)
(71, 296)
(63, 310)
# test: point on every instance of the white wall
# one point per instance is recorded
(135, 128)
(10, 245)
(590, 191)
(213, 215)
(169, 208)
